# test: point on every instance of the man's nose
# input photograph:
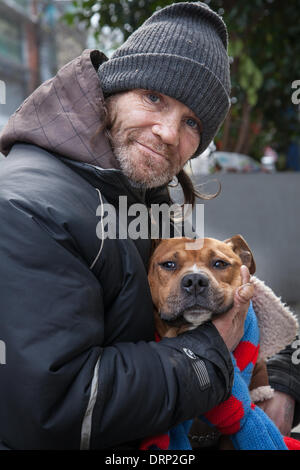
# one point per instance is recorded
(168, 131)
(195, 283)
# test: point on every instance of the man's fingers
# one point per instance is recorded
(245, 293)
(231, 324)
(245, 274)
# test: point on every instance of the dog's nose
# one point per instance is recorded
(194, 283)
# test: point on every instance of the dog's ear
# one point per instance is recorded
(241, 248)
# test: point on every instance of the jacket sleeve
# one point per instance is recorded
(60, 388)
(284, 374)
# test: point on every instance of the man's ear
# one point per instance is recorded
(241, 248)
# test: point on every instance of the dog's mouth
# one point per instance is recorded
(195, 310)
(176, 322)
(194, 315)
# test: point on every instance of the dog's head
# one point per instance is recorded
(190, 286)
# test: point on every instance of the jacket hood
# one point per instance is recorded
(64, 115)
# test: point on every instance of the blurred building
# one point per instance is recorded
(34, 43)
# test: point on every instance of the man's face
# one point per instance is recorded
(153, 135)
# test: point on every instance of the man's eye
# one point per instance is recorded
(169, 265)
(220, 264)
(153, 97)
(192, 123)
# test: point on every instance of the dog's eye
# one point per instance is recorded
(168, 265)
(220, 264)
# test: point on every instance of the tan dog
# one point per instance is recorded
(191, 286)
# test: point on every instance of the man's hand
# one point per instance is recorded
(280, 409)
(231, 324)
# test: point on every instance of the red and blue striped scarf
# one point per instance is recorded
(247, 425)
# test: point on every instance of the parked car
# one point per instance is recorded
(212, 161)
(236, 162)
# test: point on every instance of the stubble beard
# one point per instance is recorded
(143, 170)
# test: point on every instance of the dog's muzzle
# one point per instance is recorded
(195, 284)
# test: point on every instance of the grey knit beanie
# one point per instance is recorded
(180, 51)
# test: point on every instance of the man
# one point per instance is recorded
(83, 369)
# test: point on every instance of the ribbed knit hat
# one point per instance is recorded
(180, 51)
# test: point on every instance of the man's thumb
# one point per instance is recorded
(245, 292)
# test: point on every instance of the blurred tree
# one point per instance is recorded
(126, 15)
(264, 48)
(264, 45)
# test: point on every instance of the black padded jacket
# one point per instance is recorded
(82, 369)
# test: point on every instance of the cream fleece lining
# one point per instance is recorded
(278, 328)
(278, 325)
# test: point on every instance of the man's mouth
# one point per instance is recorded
(151, 150)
